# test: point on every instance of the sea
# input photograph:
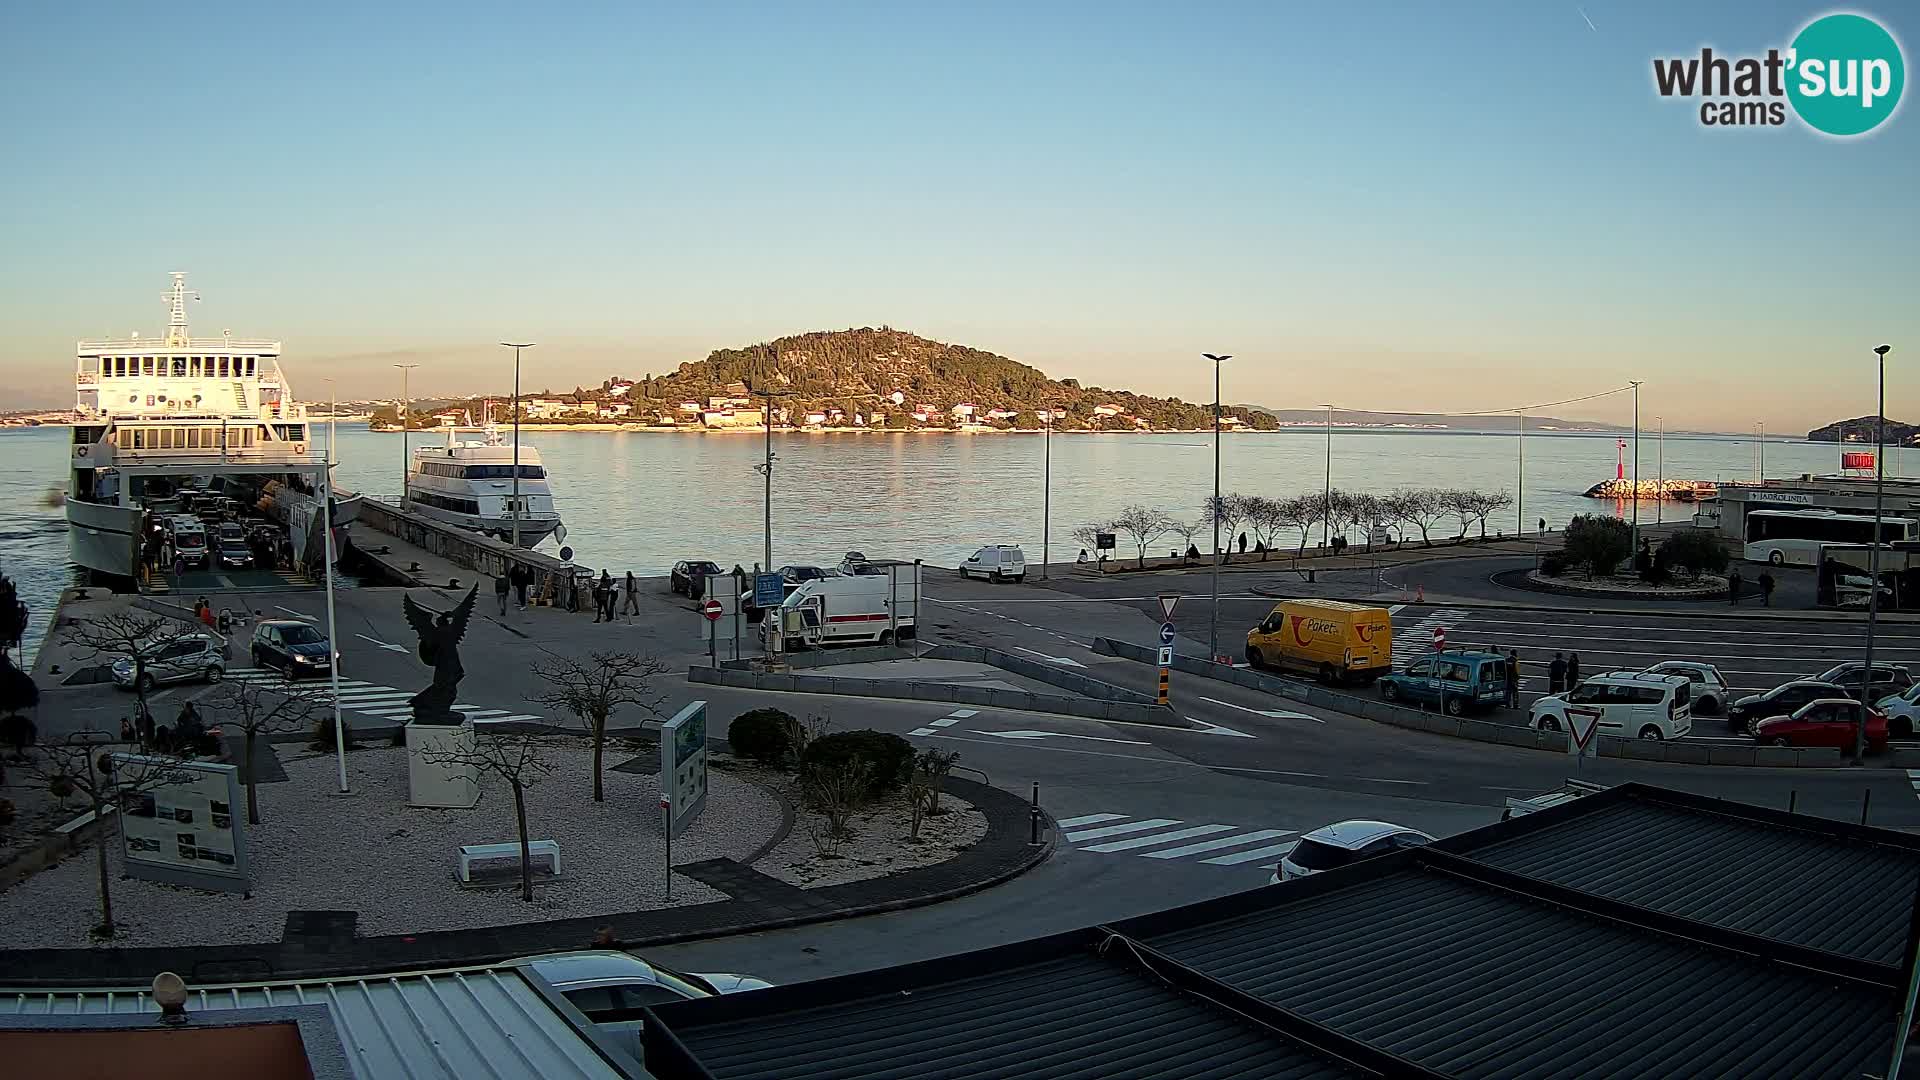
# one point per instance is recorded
(642, 500)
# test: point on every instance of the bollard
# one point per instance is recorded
(1033, 819)
(1866, 800)
(1793, 797)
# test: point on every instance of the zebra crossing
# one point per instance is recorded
(1913, 778)
(1415, 640)
(946, 721)
(1167, 838)
(372, 699)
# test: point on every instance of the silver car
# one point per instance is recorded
(188, 658)
(607, 984)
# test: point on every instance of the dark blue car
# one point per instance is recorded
(1456, 682)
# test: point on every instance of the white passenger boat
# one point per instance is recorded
(472, 485)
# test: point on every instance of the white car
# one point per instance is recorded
(1627, 705)
(1903, 712)
(996, 562)
(1333, 846)
(606, 984)
(1710, 690)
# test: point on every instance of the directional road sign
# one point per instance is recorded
(768, 590)
(1166, 633)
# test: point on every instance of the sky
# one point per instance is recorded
(1394, 206)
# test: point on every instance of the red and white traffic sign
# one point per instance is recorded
(1440, 638)
(1582, 727)
(1167, 603)
(711, 609)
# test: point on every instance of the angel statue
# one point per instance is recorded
(440, 634)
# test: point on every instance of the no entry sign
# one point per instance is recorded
(1439, 638)
(711, 609)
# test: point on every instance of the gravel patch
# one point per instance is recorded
(1627, 586)
(394, 864)
(879, 845)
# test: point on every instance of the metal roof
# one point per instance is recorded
(1826, 885)
(1634, 932)
(461, 1025)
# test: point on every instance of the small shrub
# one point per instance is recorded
(323, 735)
(1695, 551)
(1598, 541)
(886, 755)
(836, 789)
(1553, 565)
(762, 735)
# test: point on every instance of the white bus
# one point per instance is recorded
(1794, 537)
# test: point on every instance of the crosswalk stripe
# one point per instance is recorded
(1223, 842)
(1161, 838)
(514, 719)
(1239, 857)
(1118, 830)
(374, 694)
(387, 712)
(482, 714)
(1089, 819)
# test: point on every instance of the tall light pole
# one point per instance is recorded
(406, 418)
(1326, 492)
(333, 636)
(1873, 552)
(1763, 451)
(1660, 450)
(1213, 509)
(1635, 542)
(516, 347)
(765, 468)
(333, 411)
(1520, 483)
(1046, 498)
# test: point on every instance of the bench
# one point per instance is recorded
(498, 857)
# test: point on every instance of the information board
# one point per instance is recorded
(768, 590)
(187, 831)
(683, 766)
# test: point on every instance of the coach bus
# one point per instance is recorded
(1794, 537)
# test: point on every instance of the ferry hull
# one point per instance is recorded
(103, 538)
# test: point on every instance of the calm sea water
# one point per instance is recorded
(642, 500)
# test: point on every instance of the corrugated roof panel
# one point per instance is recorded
(1832, 893)
(1072, 1018)
(1477, 982)
(452, 1026)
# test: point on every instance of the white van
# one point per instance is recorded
(851, 608)
(1630, 705)
(189, 540)
(996, 562)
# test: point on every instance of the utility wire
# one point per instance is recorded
(1503, 412)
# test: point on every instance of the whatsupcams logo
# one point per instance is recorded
(1842, 76)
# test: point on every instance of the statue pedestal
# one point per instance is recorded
(438, 783)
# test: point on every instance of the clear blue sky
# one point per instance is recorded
(1408, 206)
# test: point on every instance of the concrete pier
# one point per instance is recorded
(412, 550)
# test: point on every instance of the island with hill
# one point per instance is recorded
(1860, 429)
(859, 379)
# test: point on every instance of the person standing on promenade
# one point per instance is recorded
(632, 606)
(500, 587)
(520, 578)
(1733, 588)
(1557, 674)
(1513, 678)
(1573, 670)
(1766, 588)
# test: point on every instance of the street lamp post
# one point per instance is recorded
(1660, 470)
(1635, 543)
(1213, 609)
(1326, 492)
(1046, 498)
(1763, 451)
(1873, 552)
(516, 347)
(765, 468)
(1520, 483)
(406, 410)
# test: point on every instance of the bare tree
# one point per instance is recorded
(1186, 530)
(1460, 504)
(594, 688)
(133, 635)
(81, 768)
(1421, 508)
(1143, 526)
(1299, 512)
(256, 711)
(1342, 511)
(1366, 511)
(1228, 511)
(1264, 517)
(1088, 536)
(519, 758)
(1485, 504)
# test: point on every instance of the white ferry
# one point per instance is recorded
(158, 419)
(471, 484)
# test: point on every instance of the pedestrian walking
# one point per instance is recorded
(632, 606)
(1243, 543)
(1766, 588)
(500, 588)
(1557, 674)
(600, 596)
(1513, 678)
(1733, 588)
(520, 577)
(1573, 670)
(1543, 526)
(609, 594)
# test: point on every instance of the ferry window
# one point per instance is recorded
(223, 367)
(138, 437)
(179, 366)
(251, 369)
(151, 365)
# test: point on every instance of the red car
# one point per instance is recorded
(1825, 722)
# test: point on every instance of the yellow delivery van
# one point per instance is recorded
(1338, 641)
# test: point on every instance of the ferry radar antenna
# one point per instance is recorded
(176, 299)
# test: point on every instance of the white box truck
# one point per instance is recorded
(878, 605)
